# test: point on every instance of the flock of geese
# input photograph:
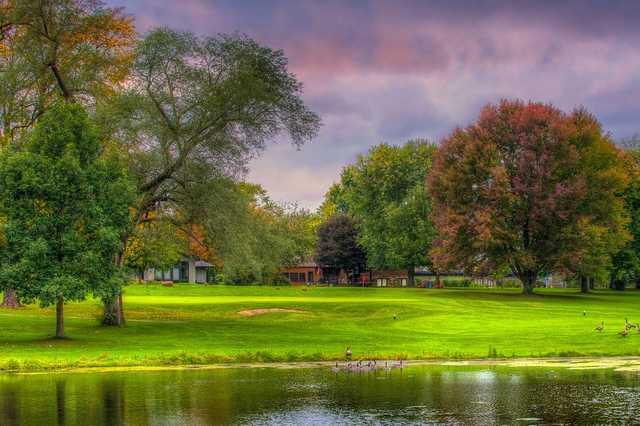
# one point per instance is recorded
(625, 331)
(357, 366)
(360, 366)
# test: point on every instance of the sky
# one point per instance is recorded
(392, 70)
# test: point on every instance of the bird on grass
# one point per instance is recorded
(627, 324)
(600, 327)
(624, 333)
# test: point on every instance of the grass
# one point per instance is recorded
(192, 324)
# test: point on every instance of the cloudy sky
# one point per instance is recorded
(390, 70)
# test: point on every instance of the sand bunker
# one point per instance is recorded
(261, 311)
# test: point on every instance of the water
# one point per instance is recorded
(415, 395)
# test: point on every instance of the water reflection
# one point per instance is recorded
(319, 396)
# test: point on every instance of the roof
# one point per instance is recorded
(202, 264)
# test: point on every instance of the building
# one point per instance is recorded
(188, 270)
(388, 278)
(311, 273)
(304, 273)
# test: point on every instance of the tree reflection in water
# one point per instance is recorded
(275, 396)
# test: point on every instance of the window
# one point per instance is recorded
(295, 277)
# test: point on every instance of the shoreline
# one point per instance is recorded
(622, 363)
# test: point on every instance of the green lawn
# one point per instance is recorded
(190, 324)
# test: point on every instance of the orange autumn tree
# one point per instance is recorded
(530, 188)
(78, 50)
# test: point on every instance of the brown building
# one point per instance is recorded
(388, 278)
(303, 273)
(311, 273)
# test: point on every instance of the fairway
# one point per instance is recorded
(192, 324)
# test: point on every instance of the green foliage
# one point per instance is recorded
(68, 211)
(385, 191)
(262, 237)
(72, 49)
(155, 244)
(626, 263)
(195, 111)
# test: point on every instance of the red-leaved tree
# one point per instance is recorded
(530, 188)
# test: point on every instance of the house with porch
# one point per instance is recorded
(190, 269)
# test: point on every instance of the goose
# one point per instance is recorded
(627, 324)
(348, 352)
(624, 333)
(335, 369)
(600, 327)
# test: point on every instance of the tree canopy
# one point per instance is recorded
(625, 266)
(67, 215)
(262, 237)
(385, 192)
(75, 49)
(338, 246)
(529, 187)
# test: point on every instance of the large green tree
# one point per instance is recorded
(67, 213)
(262, 237)
(528, 187)
(625, 267)
(194, 111)
(76, 50)
(385, 192)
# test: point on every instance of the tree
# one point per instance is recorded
(385, 192)
(338, 246)
(625, 267)
(261, 238)
(529, 187)
(68, 211)
(155, 244)
(75, 49)
(78, 50)
(195, 111)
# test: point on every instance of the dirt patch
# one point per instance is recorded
(261, 311)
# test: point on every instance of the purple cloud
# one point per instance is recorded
(392, 70)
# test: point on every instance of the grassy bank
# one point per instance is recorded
(189, 324)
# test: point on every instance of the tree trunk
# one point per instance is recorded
(113, 307)
(584, 284)
(637, 283)
(592, 283)
(121, 308)
(60, 318)
(411, 278)
(438, 283)
(528, 279)
(616, 284)
(112, 312)
(10, 299)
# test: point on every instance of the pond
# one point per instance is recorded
(319, 396)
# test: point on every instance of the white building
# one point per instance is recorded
(189, 269)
